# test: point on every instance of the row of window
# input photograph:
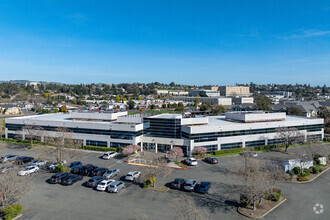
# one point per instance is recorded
(125, 135)
(204, 137)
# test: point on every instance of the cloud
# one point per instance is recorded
(302, 33)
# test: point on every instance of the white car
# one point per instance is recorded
(28, 170)
(103, 185)
(110, 154)
(249, 154)
(53, 165)
(132, 175)
(191, 161)
(39, 162)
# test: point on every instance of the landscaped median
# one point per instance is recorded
(262, 209)
(307, 175)
(11, 211)
(173, 165)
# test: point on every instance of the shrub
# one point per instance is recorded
(245, 200)
(275, 196)
(296, 170)
(304, 175)
(306, 171)
(62, 168)
(321, 170)
(11, 211)
(302, 179)
(315, 169)
(317, 161)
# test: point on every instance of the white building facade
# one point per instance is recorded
(162, 132)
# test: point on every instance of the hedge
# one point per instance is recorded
(96, 148)
(11, 211)
(240, 150)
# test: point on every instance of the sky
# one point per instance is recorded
(193, 42)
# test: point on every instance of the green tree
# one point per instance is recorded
(217, 109)
(205, 107)
(131, 104)
(262, 103)
(294, 111)
(180, 107)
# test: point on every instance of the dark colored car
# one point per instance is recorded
(178, 183)
(98, 172)
(58, 177)
(22, 160)
(211, 160)
(87, 169)
(204, 187)
(71, 179)
(77, 169)
(75, 165)
(94, 181)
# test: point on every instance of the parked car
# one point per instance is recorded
(94, 181)
(53, 165)
(39, 162)
(87, 169)
(58, 177)
(23, 160)
(249, 154)
(190, 185)
(131, 176)
(71, 179)
(178, 183)
(204, 187)
(75, 164)
(191, 161)
(111, 173)
(8, 158)
(110, 154)
(6, 169)
(116, 186)
(28, 170)
(211, 160)
(98, 172)
(103, 185)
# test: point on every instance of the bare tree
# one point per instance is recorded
(258, 177)
(12, 187)
(63, 146)
(32, 132)
(187, 209)
(290, 136)
(156, 166)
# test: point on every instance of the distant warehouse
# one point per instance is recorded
(162, 132)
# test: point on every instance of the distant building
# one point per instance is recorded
(10, 109)
(204, 93)
(205, 100)
(172, 92)
(234, 90)
(242, 100)
(212, 88)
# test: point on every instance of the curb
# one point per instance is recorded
(264, 213)
(18, 216)
(142, 164)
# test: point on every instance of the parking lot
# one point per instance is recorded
(55, 201)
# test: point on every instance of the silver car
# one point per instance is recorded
(9, 158)
(111, 173)
(190, 185)
(116, 186)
